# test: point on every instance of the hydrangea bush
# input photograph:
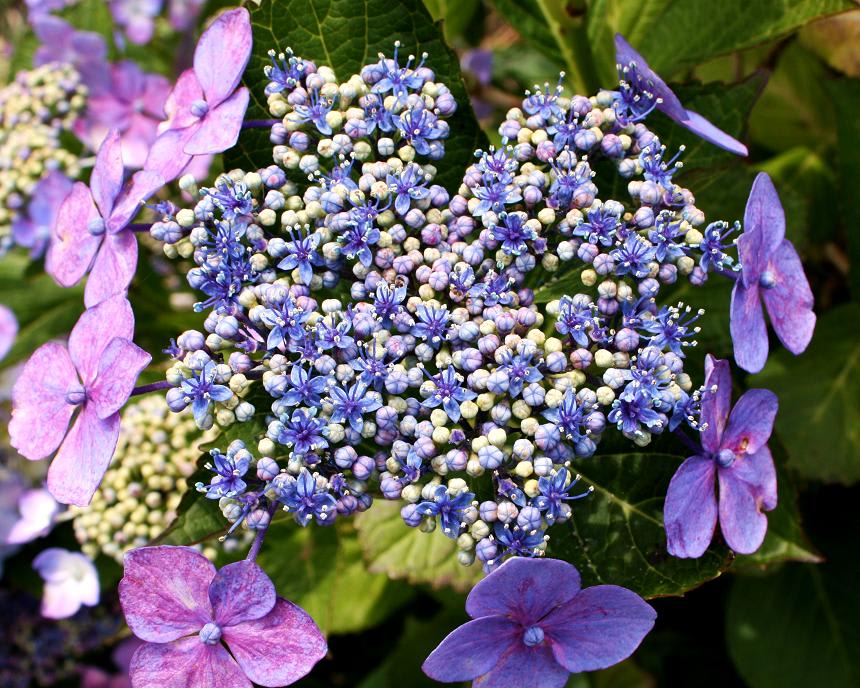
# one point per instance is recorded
(383, 316)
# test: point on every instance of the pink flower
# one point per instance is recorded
(186, 611)
(134, 106)
(37, 509)
(94, 375)
(71, 580)
(8, 330)
(91, 233)
(205, 109)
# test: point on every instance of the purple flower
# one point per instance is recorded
(186, 611)
(183, 13)
(35, 229)
(554, 492)
(410, 184)
(37, 509)
(95, 373)
(513, 233)
(771, 272)
(302, 253)
(735, 452)
(302, 431)
(450, 510)
(449, 393)
(90, 233)
(134, 106)
(399, 80)
(642, 91)
(71, 580)
(633, 256)
(229, 469)
(206, 107)
(84, 50)
(201, 392)
(533, 626)
(350, 405)
(306, 501)
(8, 330)
(136, 17)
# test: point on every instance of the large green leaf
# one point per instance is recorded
(321, 570)
(393, 548)
(676, 35)
(818, 400)
(43, 309)
(346, 35)
(799, 628)
(845, 97)
(789, 112)
(616, 534)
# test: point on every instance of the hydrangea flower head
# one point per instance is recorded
(95, 376)
(734, 453)
(205, 108)
(533, 625)
(90, 233)
(772, 274)
(643, 90)
(189, 614)
(71, 580)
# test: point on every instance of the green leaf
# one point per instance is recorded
(197, 518)
(624, 675)
(789, 112)
(420, 636)
(401, 552)
(676, 35)
(556, 28)
(528, 19)
(845, 97)
(322, 571)
(798, 628)
(616, 534)
(566, 281)
(43, 309)
(346, 35)
(455, 15)
(818, 401)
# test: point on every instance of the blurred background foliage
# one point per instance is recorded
(782, 75)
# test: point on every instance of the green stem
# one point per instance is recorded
(571, 35)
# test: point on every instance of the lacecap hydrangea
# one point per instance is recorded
(392, 339)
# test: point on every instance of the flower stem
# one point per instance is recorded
(261, 535)
(731, 274)
(154, 387)
(690, 444)
(139, 227)
(259, 123)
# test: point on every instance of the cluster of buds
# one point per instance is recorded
(36, 109)
(141, 490)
